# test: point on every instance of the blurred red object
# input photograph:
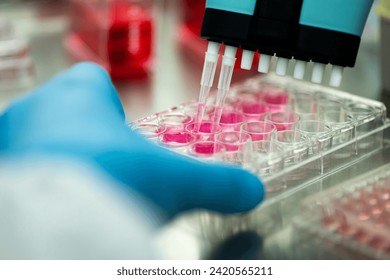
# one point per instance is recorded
(116, 34)
(193, 11)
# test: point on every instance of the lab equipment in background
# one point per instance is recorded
(17, 72)
(117, 34)
(193, 11)
(349, 221)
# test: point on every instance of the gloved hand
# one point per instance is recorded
(78, 114)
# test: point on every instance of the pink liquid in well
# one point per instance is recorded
(277, 101)
(228, 120)
(254, 111)
(282, 127)
(259, 137)
(231, 121)
(179, 137)
(233, 140)
(276, 98)
(206, 127)
(232, 147)
(254, 108)
(367, 219)
(204, 148)
(231, 117)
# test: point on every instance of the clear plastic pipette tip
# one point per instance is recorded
(208, 74)
(204, 92)
(225, 79)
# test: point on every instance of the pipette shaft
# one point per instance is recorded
(208, 74)
(225, 79)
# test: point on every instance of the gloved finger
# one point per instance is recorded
(225, 189)
(178, 183)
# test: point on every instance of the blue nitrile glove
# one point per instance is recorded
(79, 114)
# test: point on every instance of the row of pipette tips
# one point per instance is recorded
(208, 74)
(228, 62)
(300, 66)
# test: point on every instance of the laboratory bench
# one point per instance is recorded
(175, 80)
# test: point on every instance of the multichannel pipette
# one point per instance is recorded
(319, 31)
